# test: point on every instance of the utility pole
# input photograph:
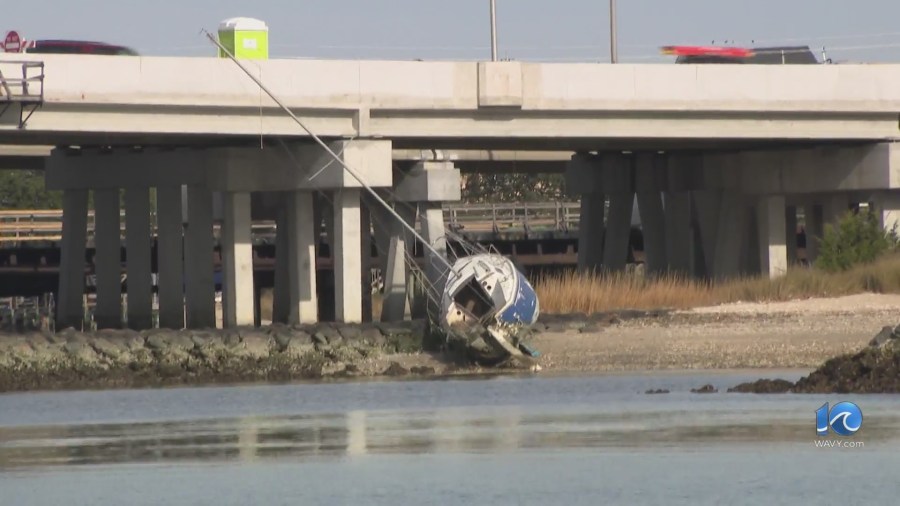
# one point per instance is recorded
(493, 30)
(613, 43)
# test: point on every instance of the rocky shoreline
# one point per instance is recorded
(69, 359)
(873, 370)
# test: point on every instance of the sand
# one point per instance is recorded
(796, 334)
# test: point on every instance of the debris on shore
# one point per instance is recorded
(874, 369)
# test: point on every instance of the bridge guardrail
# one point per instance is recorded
(27, 90)
(18, 226)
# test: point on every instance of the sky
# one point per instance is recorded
(531, 30)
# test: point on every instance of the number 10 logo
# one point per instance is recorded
(844, 418)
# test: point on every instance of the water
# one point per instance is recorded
(547, 440)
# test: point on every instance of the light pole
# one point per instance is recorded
(613, 44)
(493, 30)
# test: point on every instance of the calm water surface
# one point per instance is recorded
(535, 440)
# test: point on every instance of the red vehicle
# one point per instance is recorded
(76, 47)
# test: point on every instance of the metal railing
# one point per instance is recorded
(21, 82)
(46, 224)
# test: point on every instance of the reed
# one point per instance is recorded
(574, 292)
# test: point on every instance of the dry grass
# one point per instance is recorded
(591, 292)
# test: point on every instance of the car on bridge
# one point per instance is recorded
(76, 47)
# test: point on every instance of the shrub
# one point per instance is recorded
(858, 238)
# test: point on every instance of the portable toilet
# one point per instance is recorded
(246, 38)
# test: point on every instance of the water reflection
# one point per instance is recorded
(357, 433)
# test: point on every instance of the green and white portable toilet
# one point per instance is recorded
(245, 37)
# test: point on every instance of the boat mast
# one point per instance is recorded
(331, 153)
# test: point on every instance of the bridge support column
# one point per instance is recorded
(649, 174)
(137, 258)
(679, 233)
(70, 299)
(200, 288)
(887, 210)
(730, 236)
(281, 296)
(396, 305)
(365, 244)
(430, 184)
(237, 260)
(108, 259)
(346, 246)
(814, 228)
(790, 231)
(770, 219)
(170, 257)
(584, 181)
(300, 239)
(617, 181)
(707, 204)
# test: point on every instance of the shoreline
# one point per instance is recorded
(797, 335)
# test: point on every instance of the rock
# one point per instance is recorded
(81, 352)
(395, 369)
(320, 338)
(422, 370)
(282, 339)
(705, 389)
(108, 349)
(590, 328)
(256, 345)
(764, 386)
(349, 333)
(373, 336)
(335, 339)
(657, 391)
(886, 334)
(231, 338)
(299, 336)
(298, 348)
(156, 342)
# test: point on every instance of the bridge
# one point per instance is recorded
(721, 159)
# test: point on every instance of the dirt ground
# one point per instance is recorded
(794, 334)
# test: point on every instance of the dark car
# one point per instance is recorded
(77, 47)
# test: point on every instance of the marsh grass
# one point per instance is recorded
(574, 292)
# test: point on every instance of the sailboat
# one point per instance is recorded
(486, 302)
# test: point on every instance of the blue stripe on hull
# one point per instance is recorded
(524, 309)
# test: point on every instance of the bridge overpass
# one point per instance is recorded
(718, 157)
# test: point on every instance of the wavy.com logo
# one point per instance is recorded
(843, 419)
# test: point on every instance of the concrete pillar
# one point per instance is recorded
(887, 209)
(436, 269)
(707, 204)
(108, 259)
(237, 259)
(301, 258)
(730, 236)
(618, 184)
(345, 252)
(395, 306)
(281, 297)
(70, 298)
(365, 244)
(590, 231)
(790, 232)
(773, 255)
(170, 257)
(834, 206)
(679, 233)
(198, 259)
(648, 184)
(137, 258)
(815, 228)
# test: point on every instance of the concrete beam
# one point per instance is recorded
(123, 169)
(429, 182)
(300, 167)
